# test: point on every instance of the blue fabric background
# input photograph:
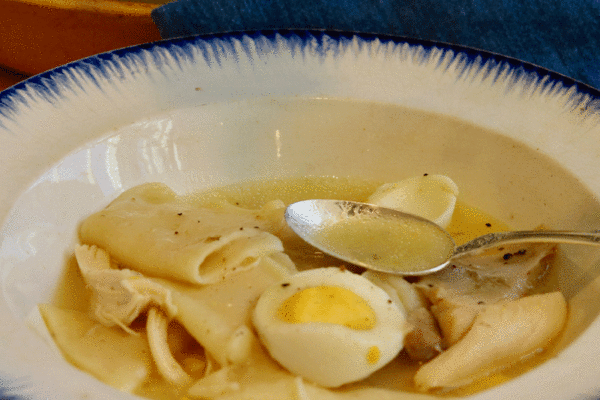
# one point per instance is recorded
(562, 36)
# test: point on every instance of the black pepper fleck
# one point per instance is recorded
(425, 174)
(285, 284)
(180, 214)
(507, 256)
(488, 224)
(176, 232)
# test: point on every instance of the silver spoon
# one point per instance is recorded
(387, 240)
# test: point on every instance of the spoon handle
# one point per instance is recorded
(495, 239)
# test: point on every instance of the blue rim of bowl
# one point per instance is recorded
(47, 84)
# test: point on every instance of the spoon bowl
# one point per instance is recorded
(391, 241)
(372, 237)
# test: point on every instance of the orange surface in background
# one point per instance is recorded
(9, 78)
(38, 35)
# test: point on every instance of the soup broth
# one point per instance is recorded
(504, 185)
(468, 222)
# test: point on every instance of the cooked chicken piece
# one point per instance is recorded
(504, 273)
(168, 367)
(459, 292)
(408, 294)
(119, 296)
(424, 341)
(454, 314)
(502, 334)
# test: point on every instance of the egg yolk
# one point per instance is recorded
(373, 355)
(330, 304)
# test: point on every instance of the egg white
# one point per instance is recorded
(325, 353)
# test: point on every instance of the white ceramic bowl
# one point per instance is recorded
(522, 143)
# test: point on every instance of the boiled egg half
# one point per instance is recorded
(330, 326)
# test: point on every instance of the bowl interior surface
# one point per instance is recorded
(521, 144)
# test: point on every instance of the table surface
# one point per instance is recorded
(9, 78)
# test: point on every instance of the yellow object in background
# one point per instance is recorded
(38, 35)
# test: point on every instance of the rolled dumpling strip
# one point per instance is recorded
(153, 231)
(239, 255)
(120, 360)
(432, 197)
(218, 316)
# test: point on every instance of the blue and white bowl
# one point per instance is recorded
(522, 143)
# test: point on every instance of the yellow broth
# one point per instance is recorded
(512, 181)
(467, 223)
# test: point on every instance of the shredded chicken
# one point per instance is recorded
(119, 296)
(156, 329)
